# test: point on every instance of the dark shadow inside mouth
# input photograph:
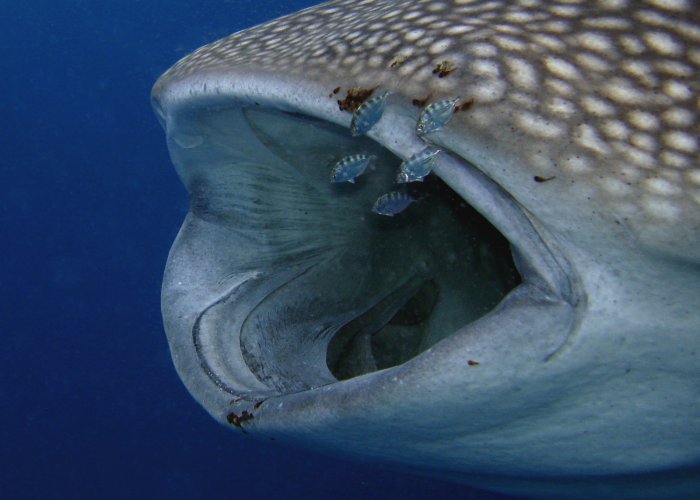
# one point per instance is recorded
(373, 341)
(333, 290)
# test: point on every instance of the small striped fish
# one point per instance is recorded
(436, 115)
(349, 167)
(392, 203)
(417, 166)
(367, 115)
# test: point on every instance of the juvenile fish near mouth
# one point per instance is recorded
(435, 116)
(368, 114)
(392, 203)
(417, 166)
(350, 167)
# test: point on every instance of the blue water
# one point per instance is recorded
(91, 405)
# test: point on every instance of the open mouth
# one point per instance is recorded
(292, 282)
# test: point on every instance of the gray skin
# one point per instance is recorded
(582, 379)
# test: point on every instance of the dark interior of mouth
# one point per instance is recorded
(470, 271)
(339, 291)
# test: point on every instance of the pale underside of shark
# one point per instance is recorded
(293, 312)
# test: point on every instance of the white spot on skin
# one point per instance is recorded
(644, 141)
(595, 42)
(597, 107)
(616, 187)
(681, 141)
(694, 176)
(561, 68)
(637, 156)
(674, 68)
(561, 107)
(660, 208)
(489, 90)
(677, 90)
(577, 165)
(511, 44)
(673, 159)
(678, 117)
(440, 46)
(521, 73)
(613, 4)
(661, 187)
(483, 50)
(565, 10)
(550, 42)
(695, 196)
(414, 34)
(593, 63)
(539, 126)
(588, 138)
(458, 30)
(670, 4)
(522, 100)
(486, 68)
(663, 43)
(608, 23)
(375, 61)
(643, 120)
(560, 87)
(624, 92)
(642, 72)
(615, 129)
(436, 7)
(632, 45)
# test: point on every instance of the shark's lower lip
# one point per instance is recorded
(290, 288)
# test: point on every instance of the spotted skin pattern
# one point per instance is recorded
(603, 95)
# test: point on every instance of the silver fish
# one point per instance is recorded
(417, 166)
(350, 167)
(436, 115)
(368, 114)
(392, 203)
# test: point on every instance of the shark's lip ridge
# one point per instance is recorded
(528, 327)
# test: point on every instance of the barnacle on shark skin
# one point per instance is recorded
(524, 288)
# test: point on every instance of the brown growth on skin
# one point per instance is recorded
(237, 420)
(465, 105)
(354, 98)
(397, 62)
(420, 103)
(443, 69)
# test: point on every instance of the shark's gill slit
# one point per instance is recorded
(333, 290)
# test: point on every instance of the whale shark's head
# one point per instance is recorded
(529, 309)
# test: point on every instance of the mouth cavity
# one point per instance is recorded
(312, 286)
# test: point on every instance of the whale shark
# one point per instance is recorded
(529, 320)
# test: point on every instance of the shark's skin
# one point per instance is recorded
(587, 378)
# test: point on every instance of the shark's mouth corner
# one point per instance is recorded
(295, 283)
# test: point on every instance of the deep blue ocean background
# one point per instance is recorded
(91, 406)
